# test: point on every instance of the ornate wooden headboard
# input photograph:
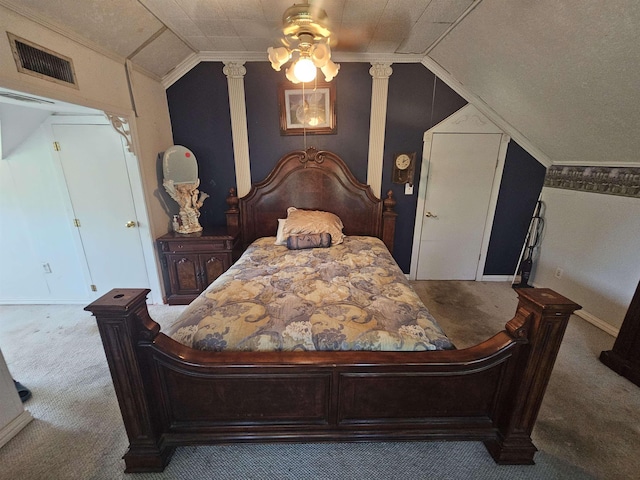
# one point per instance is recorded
(312, 180)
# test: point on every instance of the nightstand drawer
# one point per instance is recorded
(179, 246)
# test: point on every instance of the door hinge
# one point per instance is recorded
(94, 288)
(56, 146)
(76, 222)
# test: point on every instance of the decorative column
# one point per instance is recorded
(235, 73)
(379, 92)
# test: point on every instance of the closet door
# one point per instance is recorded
(458, 191)
(462, 164)
(94, 165)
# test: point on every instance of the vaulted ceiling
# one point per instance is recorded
(561, 76)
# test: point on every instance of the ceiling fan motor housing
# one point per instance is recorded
(305, 19)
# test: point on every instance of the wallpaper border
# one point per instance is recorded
(621, 181)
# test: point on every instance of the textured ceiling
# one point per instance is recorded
(562, 75)
(566, 74)
(159, 34)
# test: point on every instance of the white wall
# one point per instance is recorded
(595, 240)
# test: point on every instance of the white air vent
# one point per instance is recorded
(41, 62)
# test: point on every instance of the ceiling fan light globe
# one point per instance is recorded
(304, 70)
(330, 70)
(321, 55)
(290, 75)
(278, 56)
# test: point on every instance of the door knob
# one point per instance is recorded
(429, 214)
(130, 224)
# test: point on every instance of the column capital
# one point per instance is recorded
(380, 70)
(234, 69)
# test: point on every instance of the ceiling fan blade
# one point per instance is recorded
(352, 39)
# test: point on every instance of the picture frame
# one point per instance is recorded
(320, 100)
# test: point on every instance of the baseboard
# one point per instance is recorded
(485, 278)
(596, 322)
(14, 427)
(497, 278)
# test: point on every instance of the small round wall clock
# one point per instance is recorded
(403, 167)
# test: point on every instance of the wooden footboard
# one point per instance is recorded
(172, 395)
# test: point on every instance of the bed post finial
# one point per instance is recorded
(233, 214)
(389, 221)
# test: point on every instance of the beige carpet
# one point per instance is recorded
(589, 424)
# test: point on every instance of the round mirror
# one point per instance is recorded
(179, 165)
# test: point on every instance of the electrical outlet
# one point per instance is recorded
(559, 272)
(408, 189)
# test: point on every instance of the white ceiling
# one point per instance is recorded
(561, 75)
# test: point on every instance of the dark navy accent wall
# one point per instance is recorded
(412, 109)
(353, 107)
(266, 145)
(522, 181)
(200, 119)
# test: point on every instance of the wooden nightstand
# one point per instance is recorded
(191, 262)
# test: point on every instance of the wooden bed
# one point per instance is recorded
(172, 395)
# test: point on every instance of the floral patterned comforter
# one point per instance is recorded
(351, 296)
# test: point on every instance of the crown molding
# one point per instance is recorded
(486, 110)
(233, 56)
(195, 58)
(180, 70)
(336, 56)
(389, 58)
(192, 60)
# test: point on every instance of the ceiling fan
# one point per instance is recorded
(306, 38)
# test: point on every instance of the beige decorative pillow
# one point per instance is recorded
(313, 221)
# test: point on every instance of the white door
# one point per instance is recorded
(94, 165)
(459, 188)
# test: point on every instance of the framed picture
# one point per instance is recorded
(311, 110)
